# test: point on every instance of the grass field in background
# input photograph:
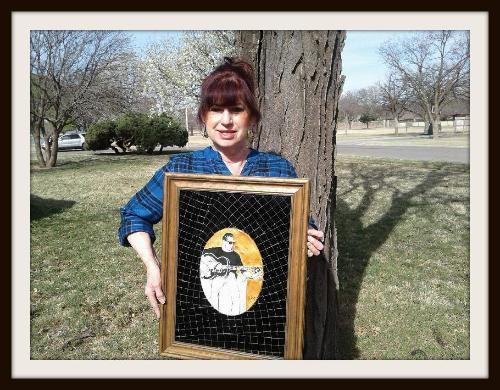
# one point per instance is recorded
(384, 136)
(403, 234)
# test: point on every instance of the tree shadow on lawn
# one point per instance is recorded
(166, 152)
(357, 243)
(42, 208)
(98, 157)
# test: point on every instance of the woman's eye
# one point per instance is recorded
(233, 110)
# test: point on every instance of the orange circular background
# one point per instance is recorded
(250, 256)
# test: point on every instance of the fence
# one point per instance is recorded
(459, 124)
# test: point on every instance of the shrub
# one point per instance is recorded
(130, 127)
(100, 135)
(146, 133)
(162, 130)
(169, 131)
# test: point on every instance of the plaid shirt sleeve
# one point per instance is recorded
(144, 209)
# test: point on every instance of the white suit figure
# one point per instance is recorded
(224, 278)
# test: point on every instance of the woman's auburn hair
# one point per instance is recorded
(229, 84)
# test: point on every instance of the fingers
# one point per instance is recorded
(312, 250)
(155, 295)
(159, 295)
(317, 234)
(315, 240)
(153, 302)
(153, 288)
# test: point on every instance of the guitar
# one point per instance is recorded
(211, 267)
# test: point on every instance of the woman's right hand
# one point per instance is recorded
(141, 242)
(153, 287)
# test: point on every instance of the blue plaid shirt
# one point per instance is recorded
(146, 206)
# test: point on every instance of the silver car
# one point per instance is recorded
(72, 141)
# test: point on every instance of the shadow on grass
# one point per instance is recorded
(357, 242)
(81, 159)
(168, 152)
(42, 208)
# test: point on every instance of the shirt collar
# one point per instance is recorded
(215, 158)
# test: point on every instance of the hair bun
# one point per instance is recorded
(243, 68)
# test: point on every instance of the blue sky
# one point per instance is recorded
(141, 39)
(361, 63)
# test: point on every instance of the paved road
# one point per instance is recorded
(434, 153)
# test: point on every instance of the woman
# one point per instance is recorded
(228, 109)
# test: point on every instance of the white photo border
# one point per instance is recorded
(476, 22)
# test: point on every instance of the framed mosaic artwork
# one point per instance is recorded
(233, 267)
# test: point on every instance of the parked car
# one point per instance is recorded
(71, 141)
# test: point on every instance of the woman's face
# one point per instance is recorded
(227, 127)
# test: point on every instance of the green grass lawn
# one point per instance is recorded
(403, 234)
(403, 237)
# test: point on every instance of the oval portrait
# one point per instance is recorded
(231, 271)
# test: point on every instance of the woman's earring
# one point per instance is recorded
(205, 134)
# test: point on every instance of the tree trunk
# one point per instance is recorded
(48, 148)
(52, 159)
(436, 124)
(396, 126)
(428, 130)
(36, 138)
(187, 122)
(299, 83)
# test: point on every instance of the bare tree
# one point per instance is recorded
(394, 98)
(298, 88)
(370, 102)
(39, 105)
(124, 86)
(434, 65)
(72, 73)
(349, 107)
(456, 107)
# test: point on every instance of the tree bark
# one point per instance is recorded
(396, 126)
(52, 160)
(436, 124)
(299, 82)
(428, 128)
(36, 131)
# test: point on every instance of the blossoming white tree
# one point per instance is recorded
(172, 72)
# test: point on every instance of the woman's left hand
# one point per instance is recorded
(315, 239)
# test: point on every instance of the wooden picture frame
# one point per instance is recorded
(196, 207)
